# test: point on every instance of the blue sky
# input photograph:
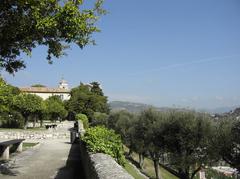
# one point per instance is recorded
(162, 52)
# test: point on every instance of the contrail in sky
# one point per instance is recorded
(177, 65)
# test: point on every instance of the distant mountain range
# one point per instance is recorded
(138, 107)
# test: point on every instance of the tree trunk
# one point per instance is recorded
(141, 160)
(184, 174)
(196, 171)
(34, 121)
(130, 152)
(25, 123)
(156, 169)
(41, 122)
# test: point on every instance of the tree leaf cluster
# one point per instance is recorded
(56, 24)
(7, 93)
(55, 109)
(87, 99)
(228, 141)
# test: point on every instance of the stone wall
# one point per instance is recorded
(101, 166)
(60, 132)
(46, 134)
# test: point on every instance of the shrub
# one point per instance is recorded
(13, 120)
(84, 119)
(102, 140)
(99, 119)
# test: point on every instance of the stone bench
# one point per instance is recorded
(5, 146)
(51, 126)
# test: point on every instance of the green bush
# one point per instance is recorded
(84, 119)
(102, 140)
(13, 120)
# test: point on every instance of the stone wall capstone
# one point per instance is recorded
(101, 166)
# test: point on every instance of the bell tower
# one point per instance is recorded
(63, 84)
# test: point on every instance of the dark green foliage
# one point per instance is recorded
(54, 108)
(12, 120)
(186, 137)
(180, 140)
(123, 123)
(99, 119)
(38, 85)
(54, 24)
(146, 131)
(102, 140)
(84, 101)
(28, 105)
(84, 119)
(8, 116)
(96, 89)
(228, 141)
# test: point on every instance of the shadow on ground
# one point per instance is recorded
(73, 168)
(7, 169)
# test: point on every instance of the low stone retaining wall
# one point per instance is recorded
(101, 166)
(34, 135)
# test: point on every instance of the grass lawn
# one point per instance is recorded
(148, 168)
(132, 171)
(27, 145)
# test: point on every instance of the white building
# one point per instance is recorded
(44, 92)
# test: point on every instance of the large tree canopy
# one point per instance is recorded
(27, 105)
(55, 108)
(25, 24)
(87, 99)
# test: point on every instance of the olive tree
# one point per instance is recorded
(228, 141)
(187, 142)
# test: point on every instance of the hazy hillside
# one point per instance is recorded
(219, 110)
(133, 107)
(129, 106)
(138, 107)
(233, 113)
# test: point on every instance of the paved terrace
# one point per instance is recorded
(53, 158)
